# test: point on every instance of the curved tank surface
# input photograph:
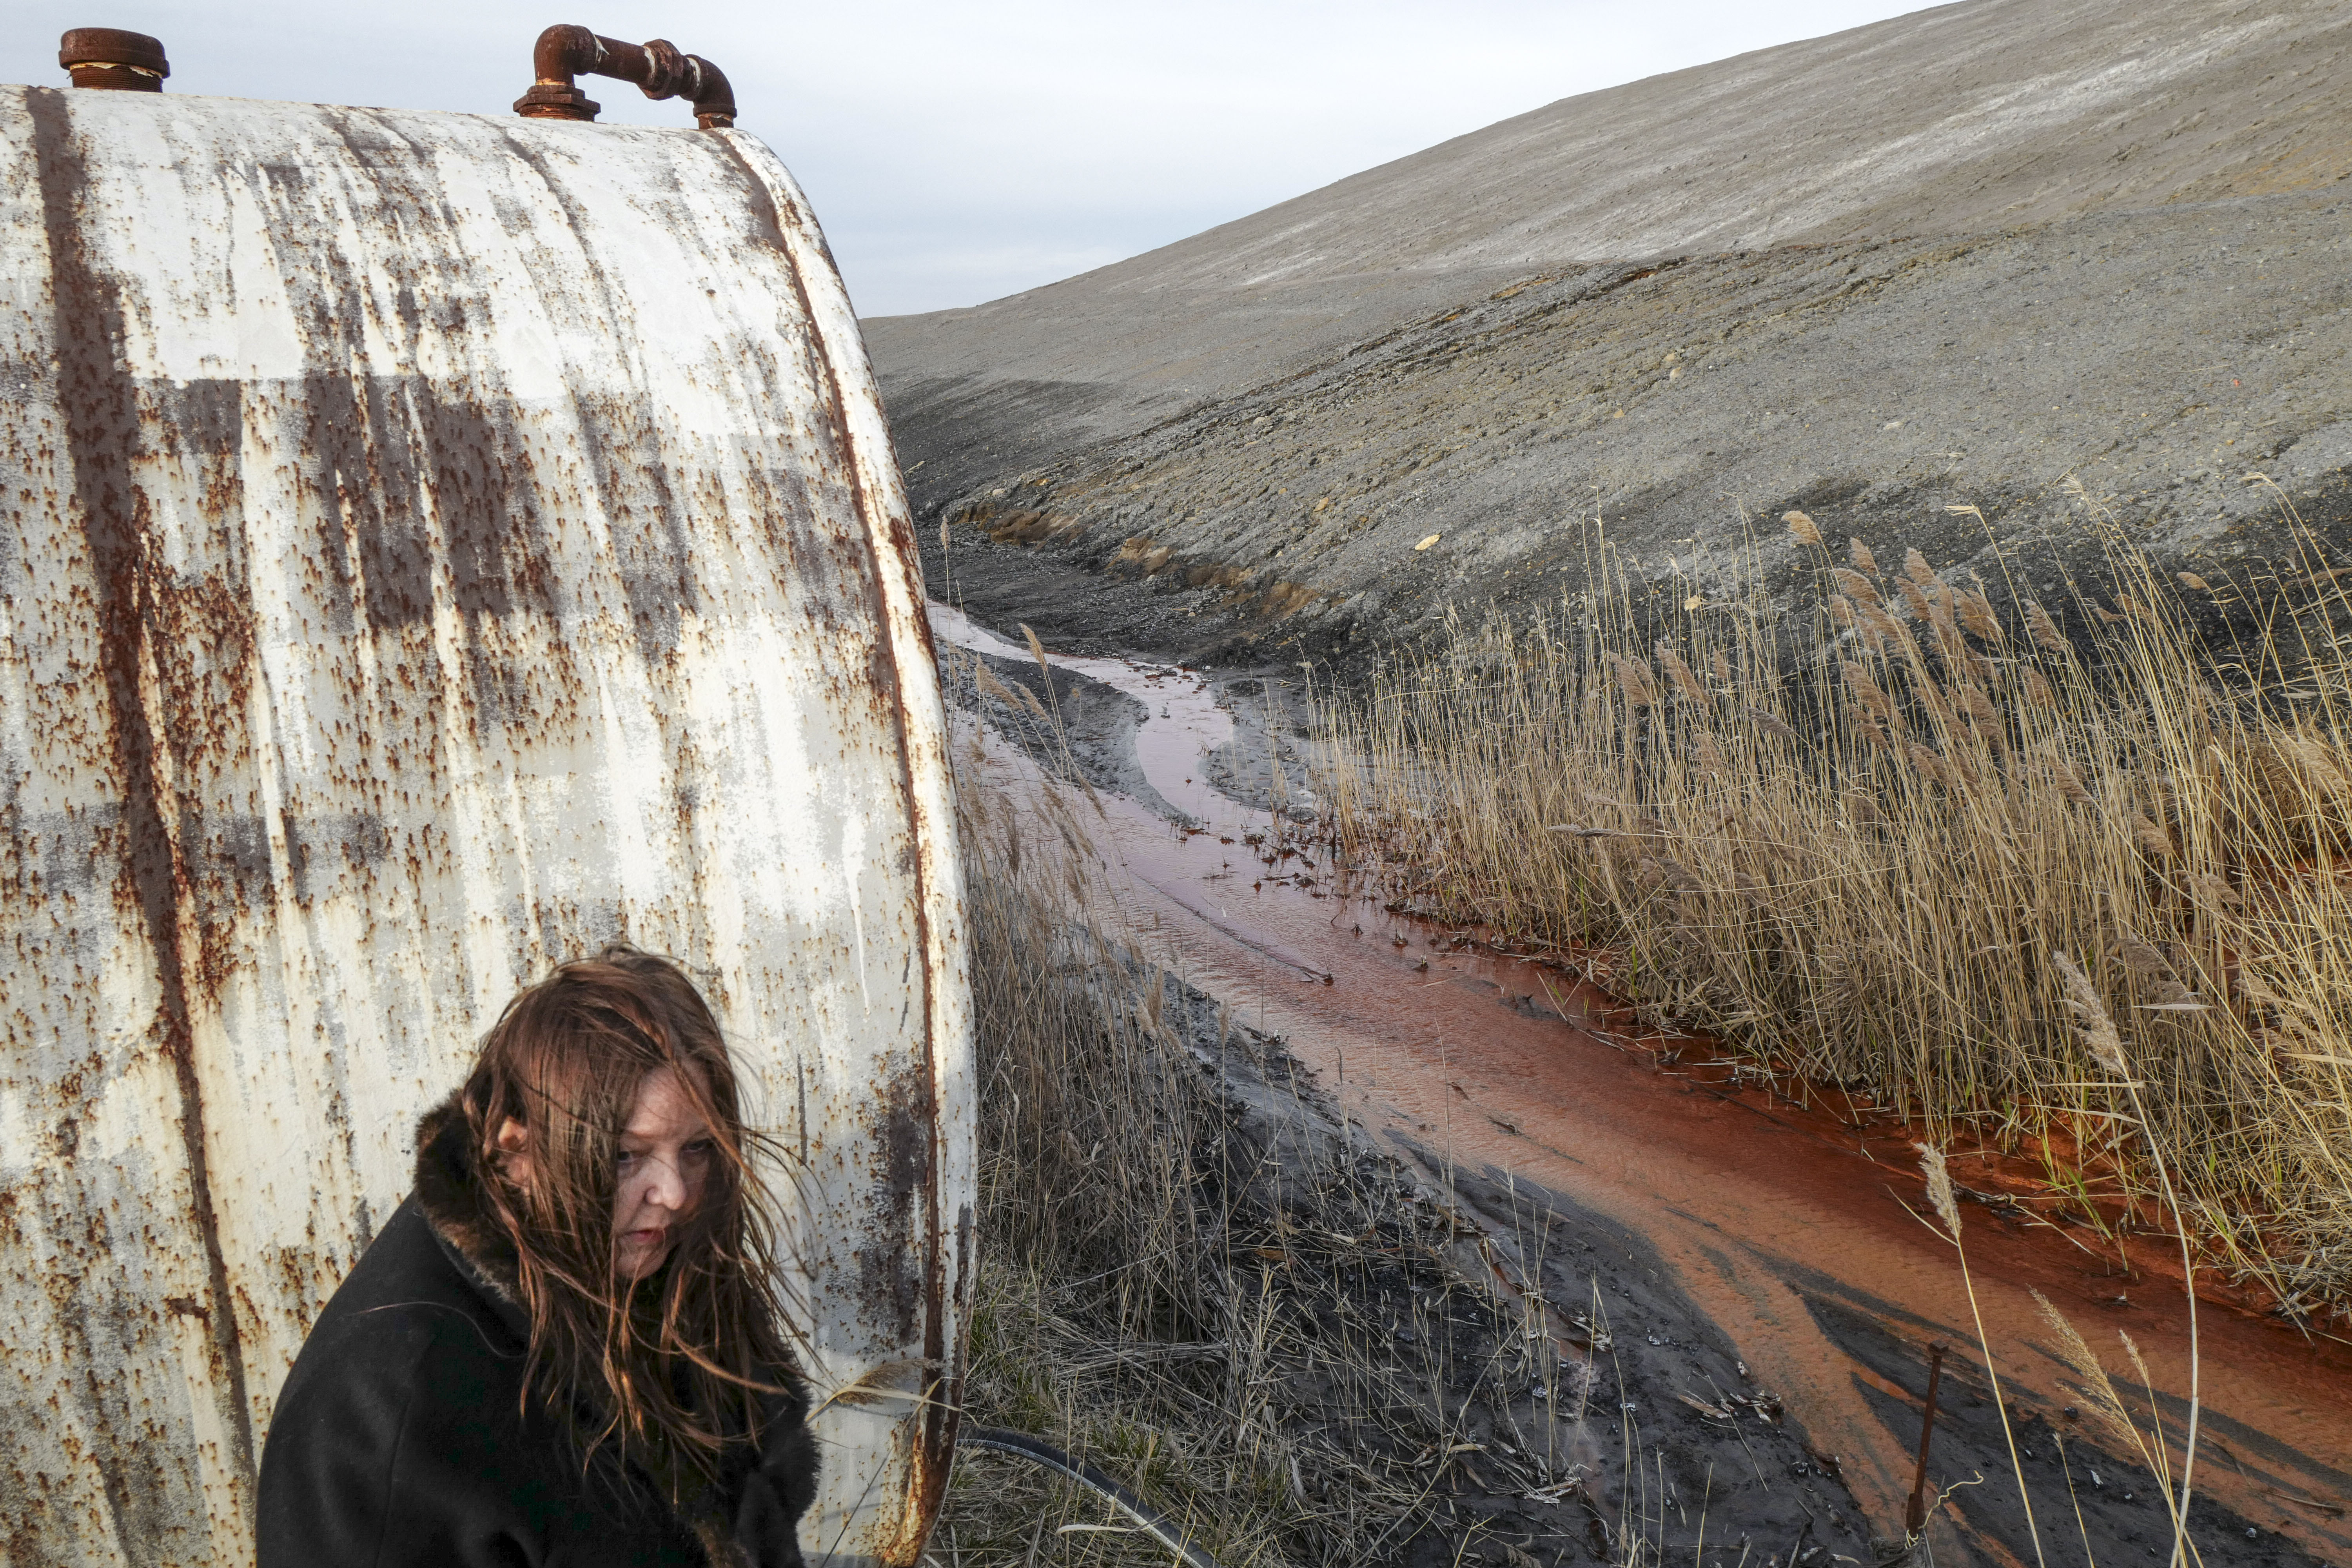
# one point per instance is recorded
(435, 546)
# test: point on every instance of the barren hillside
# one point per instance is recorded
(1958, 258)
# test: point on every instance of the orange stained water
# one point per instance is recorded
(1499, 1064)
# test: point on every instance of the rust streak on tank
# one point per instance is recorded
(101, 435)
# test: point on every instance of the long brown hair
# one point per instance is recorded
(673, 1366)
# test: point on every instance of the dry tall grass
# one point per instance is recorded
(1848, 838)
(1162, 1290)
(1093, 1320)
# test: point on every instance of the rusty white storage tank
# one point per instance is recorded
(436, 545)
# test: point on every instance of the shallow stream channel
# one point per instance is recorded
(1764, 1278)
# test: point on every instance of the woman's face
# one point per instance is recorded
(665, 1160)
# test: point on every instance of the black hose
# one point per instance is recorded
(1021, 1446)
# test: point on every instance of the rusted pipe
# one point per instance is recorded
(111, 58)
(1914, 1518)
(564, 52)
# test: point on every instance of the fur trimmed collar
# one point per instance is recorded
(449, 1192)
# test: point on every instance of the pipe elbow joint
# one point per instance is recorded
(714, 99)
(659, 68)
(565, 51)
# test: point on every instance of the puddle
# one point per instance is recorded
(1779, 1220)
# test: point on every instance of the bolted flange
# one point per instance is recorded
(556, 100)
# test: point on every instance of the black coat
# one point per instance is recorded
(401, 1439)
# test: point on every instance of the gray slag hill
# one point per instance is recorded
(2042, 258)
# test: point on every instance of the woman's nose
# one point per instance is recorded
(665, 1187)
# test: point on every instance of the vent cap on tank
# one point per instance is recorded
(111, 57)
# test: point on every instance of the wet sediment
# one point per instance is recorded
(1743, 1246)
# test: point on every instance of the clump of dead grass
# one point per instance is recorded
(1848, 838)
(1149, 1295)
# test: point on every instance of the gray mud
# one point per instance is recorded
(1650, 1411)
(1266, 764)
(1562, 1449)
(1480, 458)
(1081, 730)
(1642, 1422)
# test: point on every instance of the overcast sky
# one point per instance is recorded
(957, 153)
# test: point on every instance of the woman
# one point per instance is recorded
(565, 1347)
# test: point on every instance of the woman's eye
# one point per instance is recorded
(626, 1158)
(701, 1148)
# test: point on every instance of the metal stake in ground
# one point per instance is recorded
(1914, 1518)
